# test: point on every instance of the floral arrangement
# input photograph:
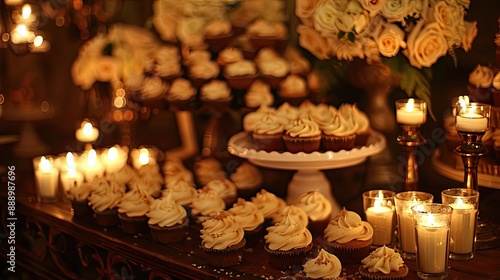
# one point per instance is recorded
(414, 34)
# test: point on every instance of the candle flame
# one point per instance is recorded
(463, 101)
(44, 164)
(378, 200)
(460, 203)
(22, 30)
(430, 219)
(112, 153)
(92, 158)
(410, 105)
(87, 128)
(26, 11)
(38, 41)
(144, 156)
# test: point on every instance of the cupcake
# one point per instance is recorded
(299, 65)
(349, 237)
(318, 209)
(191, 58)
(287, 112)
(383, 264)
(323, 266)
(181, 191)
(229, 55)
(480, 80)
(268, 204)
(202, 72)
(104, 200)
(339, 134)
(208, 169)
(181, 95)
(78, 197)
(297, 213)
(250, 219)
(258, 94)
(132, 211)
(241, 74)
(495, 89)
(206, 204)
(123, 176)
(153, 88)
(293, 89)
(218, 34)
(302, 135)
(266, 34)
(358, 119)
(321, 114)
(248, 180)
(222, 240)
(174, 170)
(287, 244)
(250, 119)
(268, 133)
(225, 189)
(167, 62)
(216, 94)
(167, 220)
(273, 70)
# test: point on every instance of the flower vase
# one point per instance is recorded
(377, 80)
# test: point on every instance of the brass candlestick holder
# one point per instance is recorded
(471, 150)
(410, 139)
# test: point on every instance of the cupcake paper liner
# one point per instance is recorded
(393, 275)
(225, 258)
(133, 225)
(287, 260)
(167, 235)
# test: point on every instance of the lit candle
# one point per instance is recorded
(115, 159)
(47, 180)
(142, 157)
(71, 178)
(380, 217)
(463, 227)
(92, 166)
(432, 244)
(21, 34)
(13, 2)
(40, 45)
(87, 133)
(407, 113)
(470, 120)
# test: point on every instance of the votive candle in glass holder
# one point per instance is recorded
(144, 156)
(463, 221)
(87, 133)
(70, 176)
(432, 235)
(379, 210)
(47, 179)
(114, 158)
(412, 112)
(406, 226)
(91, 165)
(473, 118)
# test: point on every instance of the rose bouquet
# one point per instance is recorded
(408, 36)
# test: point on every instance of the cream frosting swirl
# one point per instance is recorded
(123, 176)
(296, 212)
(240, 68)
(181, 89)
(287, 111)
(315, 205)
(277, 67)
(302, 127)
(321, 114)
(153, 87)
(206, 204)
(196, 56)
(293, 86)
(348, 226)
(218, 27)
(135, 203)
(383, 259)
(80, 193)
(216, 90)
(259, 94)
(264, 28)
(250, 119)
(168, 68)
(287, 235)
(268, 203)
(221, 232)
(223, 187)
(106, 196)
(207, 170)
(481, 76)
(246, 176)
(247, 214)
(182, 192)
(204, 69)
(165, 212)
(269, 124)
(229, 55)
(339, 127)
(323, 266)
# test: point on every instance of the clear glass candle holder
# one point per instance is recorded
(463, 221)
(406, 226)
(379, 210)
(473, 118)
(46, 179)
(411, 111)
(432, 235)
(145, 155)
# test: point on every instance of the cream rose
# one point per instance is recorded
(304, 9)
(345, 49)
(470, 34)
(397, 10)
(481, 76)
(325, 18)
(425, 44)
(371, 51)
(390, 40)
(353, 19)
(372, 6)
(312, 41)
(450, 20)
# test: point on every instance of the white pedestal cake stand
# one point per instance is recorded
(308, 165)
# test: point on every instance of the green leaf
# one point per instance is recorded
(350, 36)
(341, 34)
(416, 82)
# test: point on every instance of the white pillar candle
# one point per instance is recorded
(406, 227)
(87, 133)
(410, 114)
(432, 245)
(463, 228)
(471, 123)
(115, 159)
(71, 178)
(47, 180)
(380, 218)
(92, 166)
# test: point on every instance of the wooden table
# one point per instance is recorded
(52, 244)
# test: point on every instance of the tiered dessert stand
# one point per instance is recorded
(309, 175)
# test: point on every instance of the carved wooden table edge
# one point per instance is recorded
(185, 260)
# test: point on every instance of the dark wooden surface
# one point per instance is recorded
(187, 257)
